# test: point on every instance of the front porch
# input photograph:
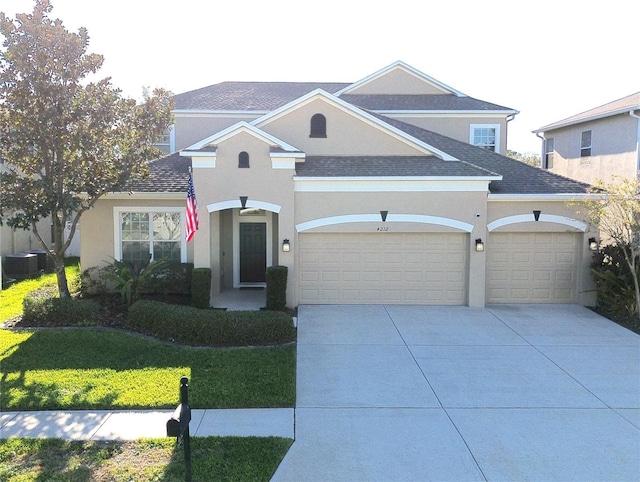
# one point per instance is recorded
(238, 299)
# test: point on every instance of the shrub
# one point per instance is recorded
(172, 278)
(129, 277)
(43, 307)
(276, 288)
(201, 287)
(196, 327)
(614, 282)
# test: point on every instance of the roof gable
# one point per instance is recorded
(354, 111)
(234, 130)
(399, 78)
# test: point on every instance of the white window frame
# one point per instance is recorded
(117, 226)
(495, 127)
(168, 140)
(586, 146)
(549, 152)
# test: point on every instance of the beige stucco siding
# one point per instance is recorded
(271, 188)
(398, 81)
(346, 134)
(462, 206)
(193, 128)
(457, 127)
(98, 226)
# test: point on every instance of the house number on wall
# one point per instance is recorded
(382, 228)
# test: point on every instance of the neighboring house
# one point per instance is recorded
(369, 192)
(596, 144)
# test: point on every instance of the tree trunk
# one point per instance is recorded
(61, 276)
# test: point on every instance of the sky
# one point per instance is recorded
(547, 59)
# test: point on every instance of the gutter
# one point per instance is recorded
(633, 114)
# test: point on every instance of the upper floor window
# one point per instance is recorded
(166, 142)
(318, 126)
(243, 159)
(585, 144)
(549, 149)
(486, 136)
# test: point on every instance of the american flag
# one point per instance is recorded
(192, 210)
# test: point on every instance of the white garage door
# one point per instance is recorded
(532, 267)
(412, 268)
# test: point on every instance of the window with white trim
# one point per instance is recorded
(486, 136)
(549, 149)
(150, 235)
(166, 142)
(585, 144)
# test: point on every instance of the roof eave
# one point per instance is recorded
(573, 121)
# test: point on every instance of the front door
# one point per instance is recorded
(253, 252)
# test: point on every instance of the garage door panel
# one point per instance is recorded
(418, 268)
(532, 267)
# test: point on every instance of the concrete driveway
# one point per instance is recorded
(506, 393)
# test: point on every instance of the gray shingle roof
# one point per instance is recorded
(166, 174)
(422, 102)
(517, 177)
(267, 96)
(623, 105)
(249, 96)
(383, 166)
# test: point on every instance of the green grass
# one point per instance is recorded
(105, 369)
(213, 458)
(11, 297)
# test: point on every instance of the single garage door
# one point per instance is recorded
(532, 267)
(370, 268)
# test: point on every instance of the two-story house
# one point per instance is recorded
(596, 144)
(391, 189)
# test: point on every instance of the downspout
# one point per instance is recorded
(542, 151)
(633, 114)
(506, 128)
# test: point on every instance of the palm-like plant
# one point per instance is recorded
(130, 276)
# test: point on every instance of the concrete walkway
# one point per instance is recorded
(508, 393)
(131, 425)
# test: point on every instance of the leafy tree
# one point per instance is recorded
(528, 158)
(615, 208)
(65, 141)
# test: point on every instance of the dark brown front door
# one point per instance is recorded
(253, 252)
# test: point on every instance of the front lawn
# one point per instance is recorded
(95, 368)
(213, 458)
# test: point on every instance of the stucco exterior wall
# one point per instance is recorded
(345, 136)
(397, 82)
(226, 183)
(613, 150)
(458, 127)
(466, 208)
(98, 228)
(193, 127)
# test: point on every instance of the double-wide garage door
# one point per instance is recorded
(532, 267)
(370, 268)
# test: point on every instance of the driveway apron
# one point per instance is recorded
(510, 392)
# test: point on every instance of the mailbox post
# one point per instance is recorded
(178, 426)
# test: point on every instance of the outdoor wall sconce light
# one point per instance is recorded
(593, 244)
(286, 246)
(479, 245)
